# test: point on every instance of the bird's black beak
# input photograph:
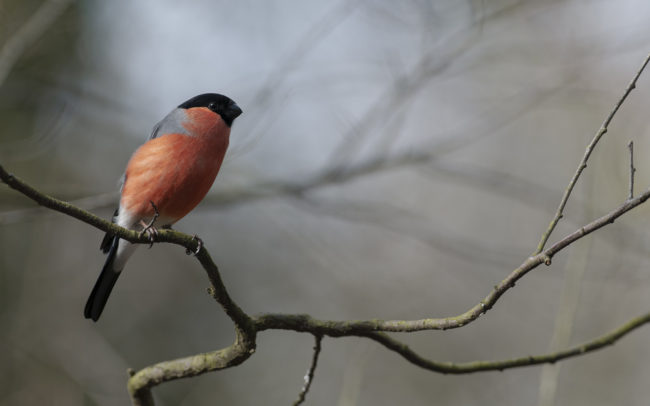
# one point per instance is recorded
(231, 113)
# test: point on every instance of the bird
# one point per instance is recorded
(165, 178)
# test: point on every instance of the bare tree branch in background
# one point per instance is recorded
(265, 98)
(19, 43)
(29, 33)
(408, 224)
(405, 87)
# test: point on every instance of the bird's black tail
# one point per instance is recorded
(105, 282)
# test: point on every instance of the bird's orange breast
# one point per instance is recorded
(175, 171)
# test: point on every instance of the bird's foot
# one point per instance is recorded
(198, 249)
(149, 228)
(151, 231)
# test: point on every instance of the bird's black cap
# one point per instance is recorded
(220, 104)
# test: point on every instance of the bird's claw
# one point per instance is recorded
(198, 248)
(152, 233)
(149, 228)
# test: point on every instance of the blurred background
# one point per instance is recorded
(394, 160)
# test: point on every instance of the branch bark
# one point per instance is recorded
(141, 382)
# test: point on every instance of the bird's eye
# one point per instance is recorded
(212, 106)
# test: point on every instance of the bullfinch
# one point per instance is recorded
(165, 179)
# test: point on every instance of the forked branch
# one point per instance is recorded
(583, 163)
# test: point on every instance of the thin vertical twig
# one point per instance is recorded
(309, 377)
(583, 163)
(630, 145)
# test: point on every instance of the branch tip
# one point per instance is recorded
(309, 377)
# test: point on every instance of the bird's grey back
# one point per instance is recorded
(171, 124)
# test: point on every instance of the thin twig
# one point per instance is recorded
(583, 163)
(309, 377)
(630, 145)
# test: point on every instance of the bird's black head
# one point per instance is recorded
(220, 104)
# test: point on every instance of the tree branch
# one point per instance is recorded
(247, 327)
(310, 372)
(140, 383)
(218, 291)
(338, 328)
(482, 366)
(583, 163)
